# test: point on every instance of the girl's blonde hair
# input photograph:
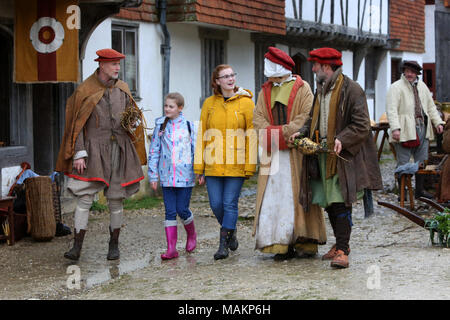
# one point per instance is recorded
(179, 99)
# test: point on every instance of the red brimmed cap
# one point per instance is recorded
(109, 55)
(280, 57)
(326, 56)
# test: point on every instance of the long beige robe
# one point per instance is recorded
(309, 227)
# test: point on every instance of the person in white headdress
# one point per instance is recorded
(282, 226)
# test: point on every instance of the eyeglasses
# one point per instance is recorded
(228, 76)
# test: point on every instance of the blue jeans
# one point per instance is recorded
(223, 193)
(176, 200)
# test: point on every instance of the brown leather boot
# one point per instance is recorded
(74, 253)
(331, 253)
(113, 251)
(340, 260)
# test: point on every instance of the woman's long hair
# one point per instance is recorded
(216, 88)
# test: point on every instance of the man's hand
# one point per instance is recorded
(337, 146)
(396, 135)
(154, 185)
(79, 165)
(200, 178)
(440, 129)
(292, 138)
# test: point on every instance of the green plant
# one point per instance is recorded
(97, 206)
(440, 224)
(146, 202)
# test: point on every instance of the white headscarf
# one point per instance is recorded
(272, 69)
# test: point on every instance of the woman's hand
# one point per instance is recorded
(79, 165)
(292, 138)
(200, 178)
(154, 185)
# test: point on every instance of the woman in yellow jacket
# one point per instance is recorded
(225, 151)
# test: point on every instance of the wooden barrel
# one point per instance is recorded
(40, 211)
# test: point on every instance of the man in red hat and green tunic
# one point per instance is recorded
(340, 120)
(97, 153)
(282, 226)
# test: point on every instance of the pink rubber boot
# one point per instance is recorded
(171, 236)
(191, 241)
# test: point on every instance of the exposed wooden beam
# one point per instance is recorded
(315, 11)
(300, 9)
(358, 15)
(381, 13)
(294, 5)
(332, 12)
(346, 13)
(321, 11)
(363, 13)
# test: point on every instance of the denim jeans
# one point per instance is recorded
(176, 200)
(223, 193)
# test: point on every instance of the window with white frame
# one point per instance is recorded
(125, 40)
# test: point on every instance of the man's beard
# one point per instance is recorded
(320, 77)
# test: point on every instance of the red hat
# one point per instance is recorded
(326, 56)
(109, 55)
(280, 57)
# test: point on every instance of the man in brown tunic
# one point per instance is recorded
(97, 153)
(341, 119)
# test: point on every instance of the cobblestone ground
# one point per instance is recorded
(391, 258)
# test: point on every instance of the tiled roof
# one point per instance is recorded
(257, 15)
(407, 22)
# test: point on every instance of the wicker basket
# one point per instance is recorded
(40, 208)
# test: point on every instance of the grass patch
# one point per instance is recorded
(252, 181)
(97, 206)
(146, 202)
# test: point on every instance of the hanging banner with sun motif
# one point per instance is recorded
(45, 42)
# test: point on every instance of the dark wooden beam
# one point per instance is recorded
(332, 12)
(294, 5)
(321, 11)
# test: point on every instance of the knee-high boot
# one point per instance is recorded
(191, 241)
(75, 251)
(171, 237)
(113, 250)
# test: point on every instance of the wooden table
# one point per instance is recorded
(382, 127)
(7, 202)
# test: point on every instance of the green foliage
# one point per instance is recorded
(97, 206)
(440, 224)
(146, 202)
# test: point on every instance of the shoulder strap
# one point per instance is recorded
(189, 126)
